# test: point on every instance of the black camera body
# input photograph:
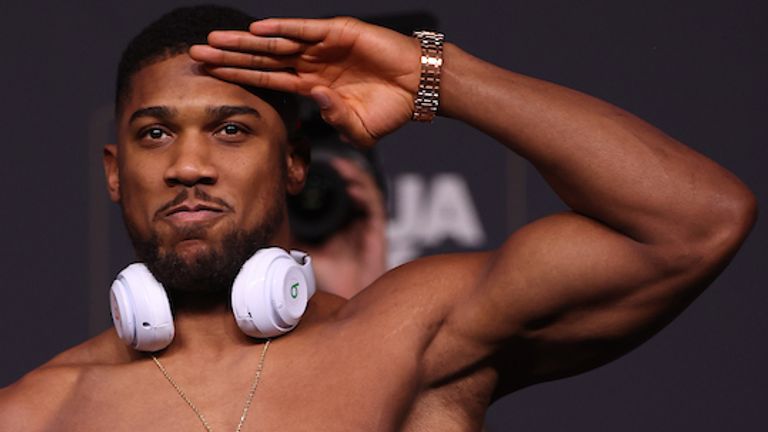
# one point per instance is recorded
(324, 206)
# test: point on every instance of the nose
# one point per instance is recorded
(191, 164)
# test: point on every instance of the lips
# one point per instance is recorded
(191, 212)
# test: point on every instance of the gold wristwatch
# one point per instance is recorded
(428, 96)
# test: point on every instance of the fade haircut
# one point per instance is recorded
(173, 34)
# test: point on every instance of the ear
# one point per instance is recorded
(297, 165)
(112, 171)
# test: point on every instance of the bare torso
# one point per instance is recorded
(336, 372)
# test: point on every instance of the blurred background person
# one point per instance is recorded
(340, 217)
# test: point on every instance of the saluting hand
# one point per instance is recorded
(363, 77)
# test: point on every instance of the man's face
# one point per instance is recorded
(201, 167)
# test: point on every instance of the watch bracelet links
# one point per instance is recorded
(427, 98)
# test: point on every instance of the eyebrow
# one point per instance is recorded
(159, 112)
(224, 111)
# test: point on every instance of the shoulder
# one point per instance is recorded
(33, 402)
(418, 296)
(438, 280)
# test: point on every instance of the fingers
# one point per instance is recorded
(295, 28)
(241, 57)
(242, 49)
(337, 113)
(246, 42)
(214, 56)
(274, 80)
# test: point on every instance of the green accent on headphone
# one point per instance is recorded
(295, 290)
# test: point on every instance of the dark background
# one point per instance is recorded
(696, 69)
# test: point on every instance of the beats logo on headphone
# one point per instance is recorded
(269, 296)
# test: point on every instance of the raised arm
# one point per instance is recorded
(652, 222)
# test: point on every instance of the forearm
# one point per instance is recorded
(603, 162)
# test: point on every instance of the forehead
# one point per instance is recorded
(181, 84)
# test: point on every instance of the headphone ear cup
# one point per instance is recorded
(141, 312)
(305, 261)
(270, 293)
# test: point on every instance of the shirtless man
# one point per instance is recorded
(430, 344)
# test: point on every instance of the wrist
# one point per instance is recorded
(462, 78)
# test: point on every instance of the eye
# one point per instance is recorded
(155, 133)
(231, 129)
(153, 136)
(232, 132)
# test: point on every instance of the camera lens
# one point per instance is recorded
(323, 207)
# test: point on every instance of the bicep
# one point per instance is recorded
(567, 293)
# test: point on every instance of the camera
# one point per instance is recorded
(324, 206)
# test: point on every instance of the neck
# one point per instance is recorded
(204, 324)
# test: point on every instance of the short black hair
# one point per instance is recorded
(174, 33)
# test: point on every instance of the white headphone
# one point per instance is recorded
(269, 296)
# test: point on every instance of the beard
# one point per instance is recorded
(213, 271)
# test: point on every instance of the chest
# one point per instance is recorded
(341, 384)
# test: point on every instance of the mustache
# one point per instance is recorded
(200, 194)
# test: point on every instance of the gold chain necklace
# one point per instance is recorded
(248, 399)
